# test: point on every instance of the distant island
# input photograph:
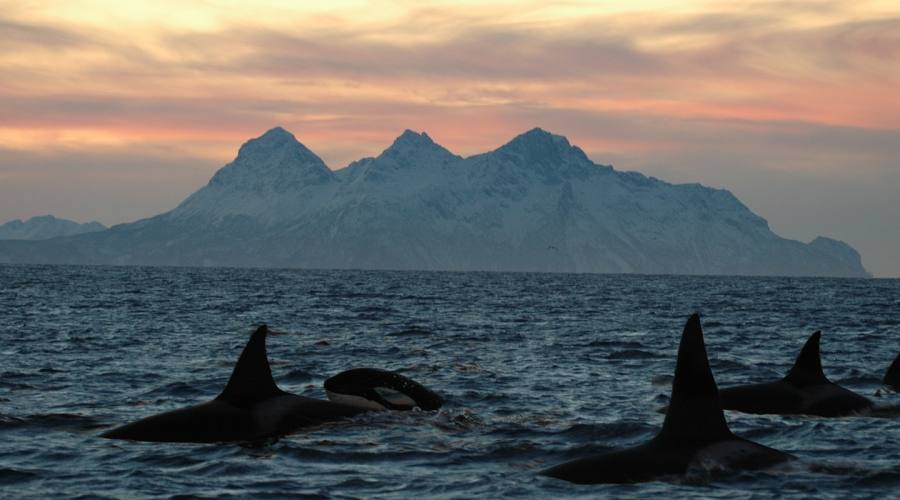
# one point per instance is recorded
(45, 227)
(536, 203)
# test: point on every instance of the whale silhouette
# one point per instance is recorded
(805, 390)
(694, 433)
(250, 408)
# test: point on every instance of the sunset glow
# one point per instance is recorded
(740, 95)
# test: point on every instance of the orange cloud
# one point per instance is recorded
(791, 85)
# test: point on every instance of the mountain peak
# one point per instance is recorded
(408, 137)
(273, 139)
(413, 147)
(277, 133)
(539, 133)
(539, 137)
(273, 161)
(43, 218)
(538, 147)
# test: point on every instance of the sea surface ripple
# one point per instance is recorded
(537, 369)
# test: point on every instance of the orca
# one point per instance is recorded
(380, 390)
(694, 433)
(892, 376)
(805, 390)
(251, 408)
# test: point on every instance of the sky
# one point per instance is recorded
(115, 111)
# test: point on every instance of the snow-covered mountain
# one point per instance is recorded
(44, 227)
(536, 203)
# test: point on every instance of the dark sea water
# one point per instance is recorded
(537, 369)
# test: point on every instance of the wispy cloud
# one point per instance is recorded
(26, 36)
(729, 87)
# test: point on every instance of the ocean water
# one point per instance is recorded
(537, 369)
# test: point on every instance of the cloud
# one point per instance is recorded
(25, 36)
(730, 94)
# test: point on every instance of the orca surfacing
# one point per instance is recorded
(250, 408)
(380, 390)
(694, 432)
(805, 390)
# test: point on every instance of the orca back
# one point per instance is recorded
(805, 390)
(694, 433)
(644, 462)
(210, 422)
(777, 397)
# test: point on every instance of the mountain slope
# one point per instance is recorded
(536, 203)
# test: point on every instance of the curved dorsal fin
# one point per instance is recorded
(695, 412)
(251, 380)
(807, 370)
(892, 376)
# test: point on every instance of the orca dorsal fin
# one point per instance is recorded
(892, 376)
(251, 380)
(695, 412)
(807, 370)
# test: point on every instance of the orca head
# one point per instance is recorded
(376, 389)
(892, 376)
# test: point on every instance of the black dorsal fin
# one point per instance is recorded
(251, 380)
(892, 376)
(807, 370)
(695, 412)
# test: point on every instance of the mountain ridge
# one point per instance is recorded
(536, 203)
(44, 227)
